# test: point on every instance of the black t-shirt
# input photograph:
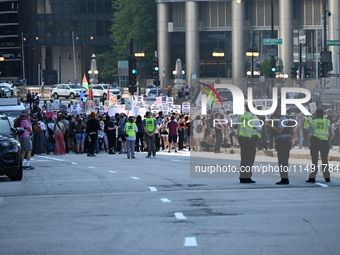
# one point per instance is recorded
(110, 124)
(92, 126)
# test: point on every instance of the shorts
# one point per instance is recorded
(26, 143)
(122, 137)
(80, 137)
(172, 138)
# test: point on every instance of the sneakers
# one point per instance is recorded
(154, 156)
(176, 151)
(133, 157)
(148, 157)
(28, 167)
(91, 155)
(128, 157)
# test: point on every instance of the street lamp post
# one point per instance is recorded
(218, 53)
(139, 54)
(252, 53)
(93, 72)
(281, 79)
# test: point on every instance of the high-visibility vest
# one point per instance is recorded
(307, 122)
(149, 124)
(130, 129)
(246, 130)
(321, 128)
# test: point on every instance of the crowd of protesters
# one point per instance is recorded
(93, 133)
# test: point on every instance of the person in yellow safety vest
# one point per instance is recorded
(249, 131)
(321, 135)
(306, 123)
(130, 132)
(149, 125)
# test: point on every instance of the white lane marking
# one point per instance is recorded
(57, 159)
(322, 185)
(74, 163)
(114, 172)
(180, 216)
(41, 160)
(165, 200)
(190, 241)
(91, 167)
(135, 178)
(152, 189)
(177, 160)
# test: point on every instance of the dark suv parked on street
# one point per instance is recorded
(10, 150)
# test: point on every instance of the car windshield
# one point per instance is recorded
(226, 95)
(73, 86)
(5, 128)
(115, 91)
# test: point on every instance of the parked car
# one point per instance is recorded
(7, 55)
(10, 150)
(225, 95)
(153, 92)
(68, 91)
(100, 90)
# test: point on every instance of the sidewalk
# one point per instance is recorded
(304, 153)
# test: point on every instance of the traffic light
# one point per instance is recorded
(132, 75)
(273, 67)
(155, 69)
(308, 71)
(294, 72)
(132, 71)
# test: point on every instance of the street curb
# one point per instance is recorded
(274, 154)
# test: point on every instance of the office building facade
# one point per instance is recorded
(193, 30)
(55, 39)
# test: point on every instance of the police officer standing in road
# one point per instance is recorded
(321, 135)
(282, 130)
(149, 125)
(249, 129)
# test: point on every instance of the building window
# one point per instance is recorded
(41, 6)
(83, 7)
(100, 28)
(108, 7)
(91, 7)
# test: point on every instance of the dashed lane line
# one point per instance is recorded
(153, 189)
(180, 216)
(322, 185)
(113, 172)
(135, 178)
(165, 200)
(190, 241)
(56, 159)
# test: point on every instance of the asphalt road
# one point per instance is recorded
(73, 204)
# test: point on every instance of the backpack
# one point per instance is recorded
(17, 123)
(199, 128)
(121, 126)
(37, 128)
(289, 129)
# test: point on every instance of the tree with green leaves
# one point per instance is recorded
(266, 68)
(137, 20)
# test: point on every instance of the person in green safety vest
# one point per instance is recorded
(149, 125)
(321, 135)
(249, 129)
(306, 123)
(130, 133)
